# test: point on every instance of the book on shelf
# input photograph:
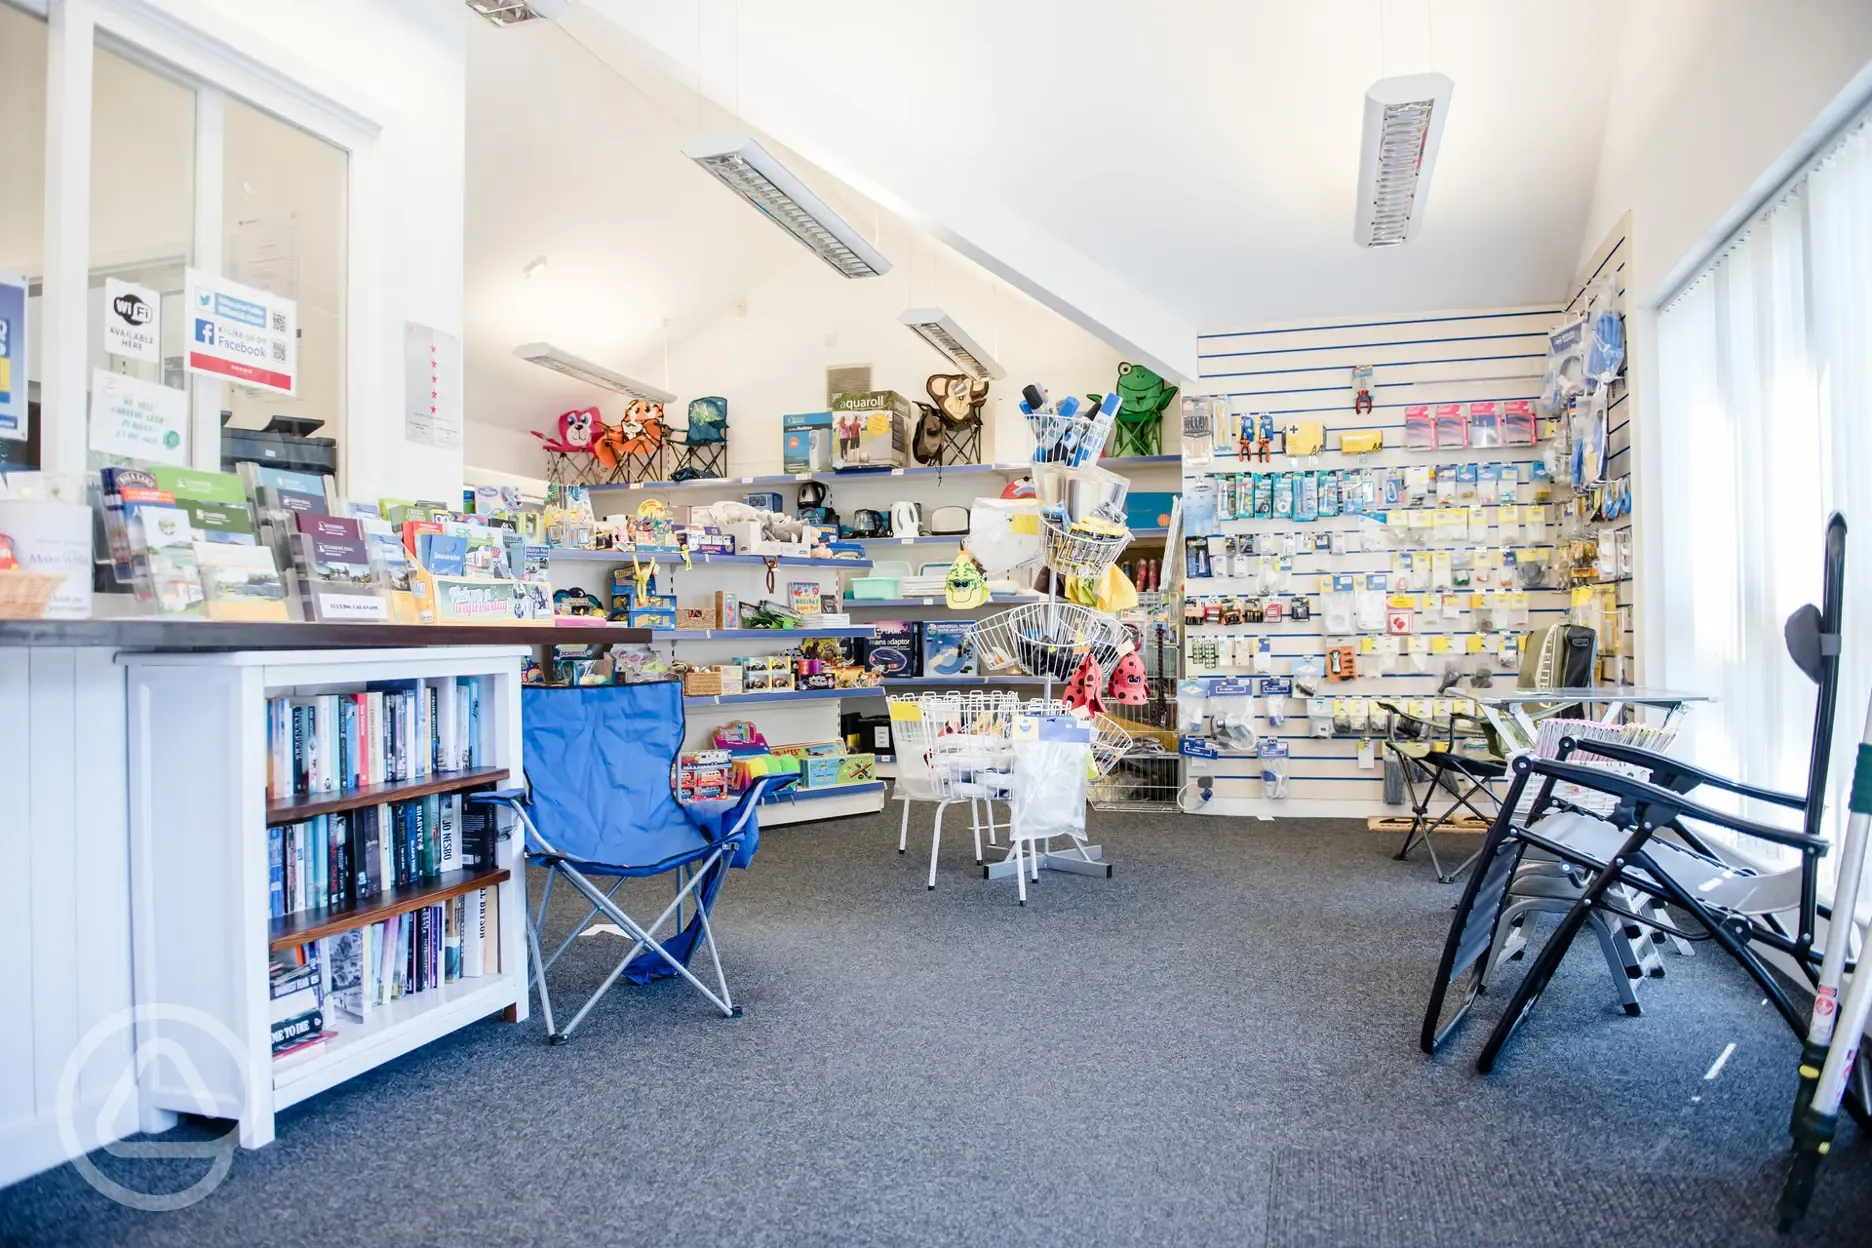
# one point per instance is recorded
(296, 993)
(346, 858)
(392, 732)
(376, 964)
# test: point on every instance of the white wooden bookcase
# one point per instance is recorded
(198, 854)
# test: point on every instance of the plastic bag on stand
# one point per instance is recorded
(1052, 758)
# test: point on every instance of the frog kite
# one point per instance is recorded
(1142, 398)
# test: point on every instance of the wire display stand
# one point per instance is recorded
(1077, 439)
(1074, 552)
(1046, 639)
(1149, 775)
(963, 745)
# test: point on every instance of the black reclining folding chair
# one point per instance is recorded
(1435, 761)
(1445, 758)
(1644, 847)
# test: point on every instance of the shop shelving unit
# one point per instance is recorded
(198, 833)
(785, 716)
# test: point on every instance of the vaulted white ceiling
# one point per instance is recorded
(1162, 169)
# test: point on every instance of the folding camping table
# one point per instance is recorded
(1506, 708)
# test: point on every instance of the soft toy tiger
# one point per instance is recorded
(640, 432)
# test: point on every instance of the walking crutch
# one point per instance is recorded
(1832, 1046)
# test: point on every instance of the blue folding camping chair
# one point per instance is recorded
(599, 803)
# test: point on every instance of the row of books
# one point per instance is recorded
(270, 544)
(351, 975)
(390, 732)
(345, 858)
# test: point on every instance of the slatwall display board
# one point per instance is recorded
(1304, 373)
(1618, 666)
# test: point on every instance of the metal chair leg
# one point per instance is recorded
(936, 841)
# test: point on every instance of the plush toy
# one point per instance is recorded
(575, 432)
(1142, 398)
(958, 397)
(639, 432)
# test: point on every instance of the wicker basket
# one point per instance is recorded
(26, 595)
(703, 682)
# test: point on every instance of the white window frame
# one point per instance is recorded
(218, 57)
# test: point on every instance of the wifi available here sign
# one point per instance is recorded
(242, 334)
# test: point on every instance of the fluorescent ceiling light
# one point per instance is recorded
(934, 327)
(750, 171)
(546, 355)
(1403, 125)
(513, 12)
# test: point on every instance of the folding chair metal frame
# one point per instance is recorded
(1644, 811)
(1424, 775)
(695, 884)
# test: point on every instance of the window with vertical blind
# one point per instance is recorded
(1765, 419)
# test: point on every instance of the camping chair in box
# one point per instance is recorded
(1643, 847)
(1466, 756)
(599, 804)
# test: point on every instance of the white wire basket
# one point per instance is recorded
(1077, 439)
(1046, 639)
(1077, 553)
(963, 743)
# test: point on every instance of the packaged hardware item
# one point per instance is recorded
(806, 443)
(946, 648)
(896, 650)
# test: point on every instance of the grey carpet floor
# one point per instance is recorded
(1217, 1046)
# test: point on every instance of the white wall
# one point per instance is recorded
(403, 64)
(1707, 96)
(1713, 102)
(771, 359)
(643, 247)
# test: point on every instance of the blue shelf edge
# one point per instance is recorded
(672, 557)
(781, 695)
(948, 682)
(859, 474)
(999, 600)
(797, 794)
(753, 634)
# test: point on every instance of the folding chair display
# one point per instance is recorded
(599, 804)
(1643, 848)
(702, 448)
(1442, 760)
(1467, 756)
